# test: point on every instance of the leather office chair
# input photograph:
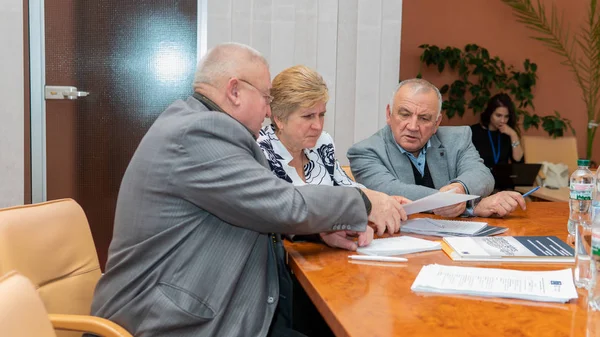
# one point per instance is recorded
(22, 313)
(554, 150)
(51, 244)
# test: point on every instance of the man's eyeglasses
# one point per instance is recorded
(268, 98)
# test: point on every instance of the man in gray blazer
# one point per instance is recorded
(191, 253)
(413, 156)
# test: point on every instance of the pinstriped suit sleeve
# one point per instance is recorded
(218, 171)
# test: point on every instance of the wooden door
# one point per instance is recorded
(134, 58)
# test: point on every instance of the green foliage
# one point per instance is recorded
(480, 76)
(555, 35)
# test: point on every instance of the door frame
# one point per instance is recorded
(37, 81)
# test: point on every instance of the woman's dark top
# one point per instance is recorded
(482, 143)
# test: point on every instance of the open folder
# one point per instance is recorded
(437, 227)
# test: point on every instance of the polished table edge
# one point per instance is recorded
(329, 317)
(298, 251)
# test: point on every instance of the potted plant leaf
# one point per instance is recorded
(480, 76)
(583, 63)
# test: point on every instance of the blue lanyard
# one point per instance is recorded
(496, 154)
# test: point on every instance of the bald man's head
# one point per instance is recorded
(225, 61)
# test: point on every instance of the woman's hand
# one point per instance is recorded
(517, 150)
(507, 130)
(345, 239)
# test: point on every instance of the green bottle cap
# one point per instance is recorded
(583, 162)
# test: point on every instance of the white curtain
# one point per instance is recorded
(12, 91)
(353, 44)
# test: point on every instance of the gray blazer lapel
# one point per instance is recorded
(437, 162)
(398, 161)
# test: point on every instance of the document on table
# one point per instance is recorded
(398, 245)
(438, 227)
(437, 200)
(544, 286)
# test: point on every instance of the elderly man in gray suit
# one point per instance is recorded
(413, 156)
(195, 249)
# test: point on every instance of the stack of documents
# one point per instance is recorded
(398, 245)
(548, 249)
(426, 226)
(544, 286)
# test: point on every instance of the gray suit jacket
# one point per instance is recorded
(190, 254)
(377, 163)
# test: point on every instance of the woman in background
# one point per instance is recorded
(494, 136)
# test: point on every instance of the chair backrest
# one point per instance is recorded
(22, 313)
(51, 244)
(555, 150)
(348, 172)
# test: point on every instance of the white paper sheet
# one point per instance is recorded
(437, 200)
(398, 245)
(545, 286)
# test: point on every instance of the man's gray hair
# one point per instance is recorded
(224, 61)
(419, 85)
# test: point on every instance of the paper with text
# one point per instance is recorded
(545, 286)
(428, 226)
(437, 200)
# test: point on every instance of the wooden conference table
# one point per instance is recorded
(359, 298)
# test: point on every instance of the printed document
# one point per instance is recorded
(437, 200)
(428, 226)
(544, 286)
(510, 248)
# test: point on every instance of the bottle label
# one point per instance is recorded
(596, 242)
(582, 191)
(596, 211)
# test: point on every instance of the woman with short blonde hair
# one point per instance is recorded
(297, 148)
(294, 88)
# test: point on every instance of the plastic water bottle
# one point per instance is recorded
(594, 293)
(596, 196)
(582, 185)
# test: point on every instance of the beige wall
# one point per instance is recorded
(492, 25)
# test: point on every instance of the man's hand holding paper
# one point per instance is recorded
(386, 212)
(437, 201)
(452, 210)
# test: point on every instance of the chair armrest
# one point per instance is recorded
(91, 324)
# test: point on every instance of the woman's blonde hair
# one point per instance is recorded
(296, 87)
